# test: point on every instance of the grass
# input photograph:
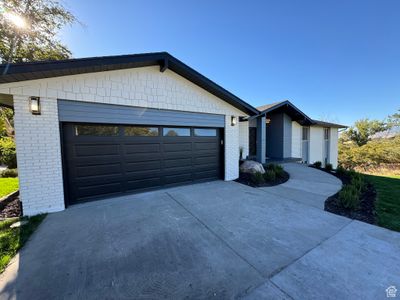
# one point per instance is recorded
(8, 185)
(12, 239)
(388, 200)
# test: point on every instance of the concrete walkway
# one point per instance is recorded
(219, 240)
(306, 185)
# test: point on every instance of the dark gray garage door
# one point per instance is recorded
(102, 160)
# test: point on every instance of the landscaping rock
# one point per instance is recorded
(19, 224)
(251, 166)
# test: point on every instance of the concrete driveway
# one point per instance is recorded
(219, 240)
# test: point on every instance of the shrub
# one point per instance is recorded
(317, 164)
(8, 155)
(358, 182)
(328, 167)
(269, 175)
(349, 197)
(257, 178)
(341, 171)
(9, 173)
(240, 153)
(278, 169)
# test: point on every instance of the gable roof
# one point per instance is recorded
(295, 113)
(288, 108)
(47, 69)
(268, 106)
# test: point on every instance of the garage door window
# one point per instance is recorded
(96, 130)
(205, 132)
(176, 131)
(141, 131)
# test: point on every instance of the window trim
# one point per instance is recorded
(176, 127)
(76, 133)
(141, 126)
(205, 128)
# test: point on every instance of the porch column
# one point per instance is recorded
(261, 133)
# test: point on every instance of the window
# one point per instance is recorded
(96, 130)
(176, 131)
(205, 132)
(305, 133)
(326, 133)
(140, 131)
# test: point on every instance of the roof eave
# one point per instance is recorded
(49, 69)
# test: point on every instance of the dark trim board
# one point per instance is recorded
(89, 112)
(98, 167)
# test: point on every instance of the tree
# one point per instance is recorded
(362, 131)
(28, 32)
(6, 122)
(394, 120)
(35, 39)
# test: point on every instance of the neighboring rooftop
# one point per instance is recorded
(387, 134)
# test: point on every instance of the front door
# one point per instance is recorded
(252, 141)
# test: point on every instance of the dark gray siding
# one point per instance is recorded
(274, 132)
(76, 111)
(279, 136)
(287, 136)
(253, 122)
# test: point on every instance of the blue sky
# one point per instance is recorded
(336, 60)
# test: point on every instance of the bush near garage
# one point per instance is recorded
(8, 155)
(9, 173)
(274, 174)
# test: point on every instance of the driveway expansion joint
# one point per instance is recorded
(216, 235)
(277, 271)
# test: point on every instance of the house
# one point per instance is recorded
(99, 127)
(291, 134)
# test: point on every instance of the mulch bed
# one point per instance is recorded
(245, 178)
(364, 213)
(11, 209)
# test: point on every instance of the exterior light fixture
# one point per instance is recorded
(233, 120)
(34, 105)
(267, 121)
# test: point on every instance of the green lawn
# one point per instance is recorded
(388, 201)
(12, 239)
(8, 185)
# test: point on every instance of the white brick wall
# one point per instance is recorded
(39, 157)
(231, 150)
(244, 137)
(38, 140)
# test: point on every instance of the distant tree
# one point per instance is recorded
(394, 120)
(362, 130)
(36, 36)
(6, 122)
(372, 154)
